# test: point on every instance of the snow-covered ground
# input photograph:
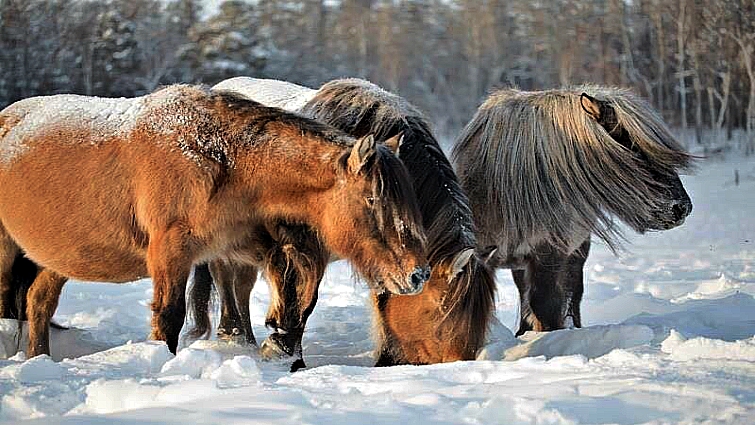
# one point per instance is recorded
(669, 339)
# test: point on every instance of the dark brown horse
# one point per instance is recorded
(545, 170)
(117, 189)
(445, 322)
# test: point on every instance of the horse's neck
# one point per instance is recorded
(284, 178)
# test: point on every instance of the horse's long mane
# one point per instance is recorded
(540, 168)
(360, 108)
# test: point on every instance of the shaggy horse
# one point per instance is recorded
(545, 170)
(118, 189)
(448, 320)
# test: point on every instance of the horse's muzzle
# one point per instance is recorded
(680, 210)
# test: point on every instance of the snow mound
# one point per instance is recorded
(500, 339)
(730, 319)
(591, 342)
(681, 349)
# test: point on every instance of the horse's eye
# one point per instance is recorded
(370, 201)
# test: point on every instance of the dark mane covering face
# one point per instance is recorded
(539, 168)
(360, 108)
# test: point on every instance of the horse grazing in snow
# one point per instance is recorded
(118, 189)
(447, 321)
(545, 170)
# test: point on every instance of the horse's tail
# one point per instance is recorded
(23, 273)
(200, 296)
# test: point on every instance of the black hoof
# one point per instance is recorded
(297, 364)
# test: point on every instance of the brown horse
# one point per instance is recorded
(118, 189)
(448, 320)
(545, 170)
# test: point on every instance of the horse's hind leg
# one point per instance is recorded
(223, 277)
(246, 277)
(199, 301)
(42, 300)
(234, 283)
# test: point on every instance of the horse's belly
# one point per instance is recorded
(70, 217)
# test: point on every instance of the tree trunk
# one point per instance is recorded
(680, 56)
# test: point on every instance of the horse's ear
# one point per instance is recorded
(394, 143)
(590, 105)
(488, 253)
(363, 150)
(461, 260)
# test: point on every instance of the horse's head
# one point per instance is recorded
(446, 322)
(373, 219)
(656, 164)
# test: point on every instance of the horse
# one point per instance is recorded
(448, 320)
(119, 189)
(545, 170)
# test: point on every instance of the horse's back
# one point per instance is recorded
(90, 176)
(269, 92)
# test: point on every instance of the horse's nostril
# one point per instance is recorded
(417, 279)
(676, 209)
(680, 210)
(419, 276)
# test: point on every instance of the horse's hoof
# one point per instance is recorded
(297, 364)
(236, 337)
(271, 349)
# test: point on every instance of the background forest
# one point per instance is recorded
(692, 59)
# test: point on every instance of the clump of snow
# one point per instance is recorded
(193, 362)
(681, 349)
(241, 371)
(37, 369)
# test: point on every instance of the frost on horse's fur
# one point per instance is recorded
(106, 117)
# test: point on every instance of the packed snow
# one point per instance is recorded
(669, 337)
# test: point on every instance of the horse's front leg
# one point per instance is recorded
(42, 300)
(294, 277)
(169, 263)
(572, 280)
